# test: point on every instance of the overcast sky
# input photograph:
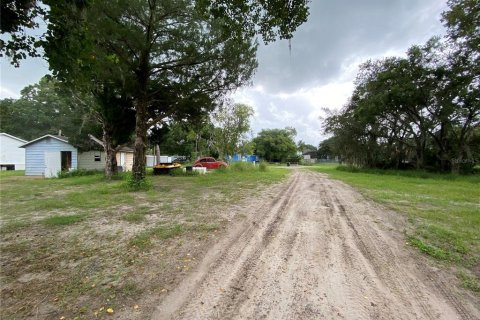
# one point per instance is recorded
(291, 88)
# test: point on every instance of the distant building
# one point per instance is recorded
(95, 159)
(12, 157)
(310, 156)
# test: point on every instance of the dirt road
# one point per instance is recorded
(317, 250)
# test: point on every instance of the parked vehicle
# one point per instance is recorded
(179, 159)
(210, 163)
(165, 168)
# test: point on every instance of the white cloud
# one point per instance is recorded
(300, 109)
(13, 80)
(7, 93)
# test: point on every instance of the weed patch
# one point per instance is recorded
(430, 250)
(133, 186)
(14, 226)
(469, 281)
(59, 220)
(263, 167)
(205, 227)
(144, 240)
(136, 216)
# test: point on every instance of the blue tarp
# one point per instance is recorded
(244, 158)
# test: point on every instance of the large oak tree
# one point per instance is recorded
(147, 50)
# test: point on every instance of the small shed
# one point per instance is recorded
(12, 157)
(48, 155)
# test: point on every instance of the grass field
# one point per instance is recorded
(78, 246)
(443, 210)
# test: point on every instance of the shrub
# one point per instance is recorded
(222, 169)
(263, 167)
(132, 185)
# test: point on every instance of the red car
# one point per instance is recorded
(210, 163)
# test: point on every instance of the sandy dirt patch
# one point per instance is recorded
(316, 250)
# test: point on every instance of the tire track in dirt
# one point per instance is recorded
(318, 250)
(234, 255)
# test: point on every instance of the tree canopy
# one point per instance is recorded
(232, 123)
(45, 108)
(421, 111)
(276, 145)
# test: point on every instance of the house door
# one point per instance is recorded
(66, 160)
(53, 164)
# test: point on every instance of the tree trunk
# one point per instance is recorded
(420, 158)
(138, 169)
(455, 167)
(157, 154)
(111, 168)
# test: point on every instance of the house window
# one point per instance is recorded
(97, 158)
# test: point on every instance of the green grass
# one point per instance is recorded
(108, 236)
(136, 216)
(143, 240)
(20, 196)
(11, 173)
(443, 209)
(469, 281)
(14, 225)
(58, 220)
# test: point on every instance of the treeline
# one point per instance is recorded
(49, 108)
(421, 111)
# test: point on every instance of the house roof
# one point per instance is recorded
(13, 137)
(60, 138)
(310, 153)
(126, 149)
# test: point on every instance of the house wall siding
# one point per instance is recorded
(35, 155)
(86, 160)
(128, 161)
(10, 153)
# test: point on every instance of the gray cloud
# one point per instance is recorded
(290, 89)
(341, 30)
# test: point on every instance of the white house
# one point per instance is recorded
(48, 155)
(12, 157)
